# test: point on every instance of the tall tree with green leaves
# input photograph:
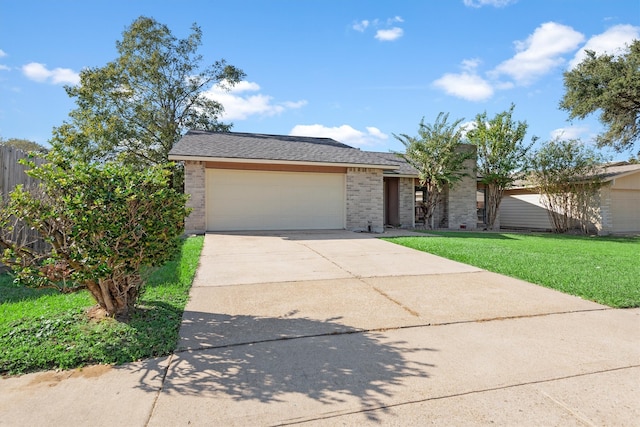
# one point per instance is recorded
(609, 84)
(136, 107)
(502, 156)
(439, 156)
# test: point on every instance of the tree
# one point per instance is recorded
(610, 84)
(438, 155)
(501, 156)
(23, 144)
(103, 224)
(135, 108)
(566, 172)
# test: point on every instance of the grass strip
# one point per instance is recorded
(42, 329)
(601, 269)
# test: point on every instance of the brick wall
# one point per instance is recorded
(365, 200)
(406, 189)
(194, 185)
(462, 205)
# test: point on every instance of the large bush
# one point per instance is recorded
(103, 223)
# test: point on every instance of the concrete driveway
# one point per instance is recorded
(341, 328)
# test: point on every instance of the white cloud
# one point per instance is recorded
(494, 3)
(40, 73)
(612, 41)
(2, 53)
(466, 127)
(389, 35)
(571, 132)
(361, 25)
(383, 32)
(466, 85)
(239, 106)
(540, 53)
(4, 68)
(345, 134)
(36, 71)
(470, 64)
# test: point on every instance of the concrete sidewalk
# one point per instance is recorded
(340, 328)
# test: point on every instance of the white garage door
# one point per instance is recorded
(625, 211)
(260, 200)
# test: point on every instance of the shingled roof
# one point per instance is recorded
(234, 146)
(404, 167)
(606, 172)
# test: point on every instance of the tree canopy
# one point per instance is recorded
(25, 145)
(501, 155)
(609, 84)
(438, 155)
(136, 107)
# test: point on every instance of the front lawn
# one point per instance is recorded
(601, 269)
(43, 329)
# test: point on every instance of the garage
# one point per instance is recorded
(274, 200)
(248, 181)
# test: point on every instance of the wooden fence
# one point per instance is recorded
(12, 173)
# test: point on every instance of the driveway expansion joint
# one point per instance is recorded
(398, 303)
(162, 381)
(465, 393)
(381, 329)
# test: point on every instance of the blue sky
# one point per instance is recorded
(357, 71)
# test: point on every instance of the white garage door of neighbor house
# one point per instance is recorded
(261, 200)
(625, 211)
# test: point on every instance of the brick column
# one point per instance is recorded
(462, 197)
(195, 187)
(365, 200)
(407, 191)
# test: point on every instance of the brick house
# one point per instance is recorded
(245, 181)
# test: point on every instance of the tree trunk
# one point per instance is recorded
(494, 198)
(431, 203)
(116, 294)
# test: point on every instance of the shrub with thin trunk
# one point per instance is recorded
(103, 223)
(567, 175)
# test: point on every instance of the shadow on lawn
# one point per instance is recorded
(246, 358)
(466, 235)
(590, 238)
(10, 292)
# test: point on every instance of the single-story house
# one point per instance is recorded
(618, 209)
(247, 181)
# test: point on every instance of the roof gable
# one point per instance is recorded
(233, 146)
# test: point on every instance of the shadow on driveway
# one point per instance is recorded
(329, 368)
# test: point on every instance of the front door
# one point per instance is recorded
(391, 201)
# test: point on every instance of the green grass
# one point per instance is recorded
(601, 269)
(42, 329)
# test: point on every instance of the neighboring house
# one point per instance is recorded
(618, 210)
(245, 181)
